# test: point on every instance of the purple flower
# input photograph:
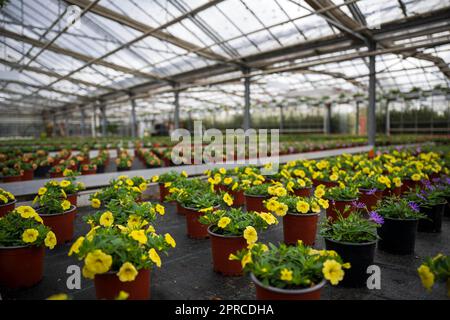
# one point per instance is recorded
(414, 206)
(421, 197)
(375, 217)
(371, 192)
(358, 205)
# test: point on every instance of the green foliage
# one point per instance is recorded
(346, 193)
(398, 208)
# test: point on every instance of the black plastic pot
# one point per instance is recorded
(433, 222)
(398, 235)
(41, 171)
(360, 256)
(101, 168)
(447, 207)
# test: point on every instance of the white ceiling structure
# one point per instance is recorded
(148, 49)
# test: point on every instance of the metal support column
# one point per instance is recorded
(66, 126)
(388, 118)
(133, 118)
(82, 122)
(54, 124)
(247, 120)
(327, 118)
(94, 121)
(104, 119)
(281, 117)
(371, 120)
(357, 118)
(176, 113)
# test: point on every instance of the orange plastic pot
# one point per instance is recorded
(21, 266)
(87, 172)
(300, 227)
(108, 286)
(12, 178)
(264, 292)
(238, 198)
(370, 200)
(255, 203)
(194, 228)
(221, 248)
(339, 205)
(73, 199)
(62, 224)
(303, 192)
(163, 192)
(27, 175)
(409, 184)
(7, 207)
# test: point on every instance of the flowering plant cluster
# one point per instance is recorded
(342, 192)
(296, 205)
(399, 208)
(67, 186)
(124, 160)
(428, 197)
(235, 222)
(52, 199)
(23, 227)
(435, 269)
(6, 196)
(170, 176)
(291, 267)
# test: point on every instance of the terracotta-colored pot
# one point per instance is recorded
(220, 187)
(108, 286)
(27, 175)
(56, 175)
(303, 192)
(300, 227)
(255, 203)
(410, 184)
(163, 192)
(7, 207)
(73, 198)
(339, 205)
(12, 178)
(238, 198)
(264, 292)
(180, 209)
(21, 266)
(327, 184)
(370, 200)
(195, 229)
(62, 224)
(397, 191)
(87, 172)
(221, 248)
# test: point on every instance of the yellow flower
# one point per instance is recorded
(143, 186)
(26, 212)
(272, 204)
(222, 171)
(122, 295)
(76, 246)
(107, 219)
(67, 172)
(415, 177)
(235, 186)
(324, 203)
(302, 206)
(65, 183)
(167, 184)
(319, 192)
(299, 173)
(42, 191)
(127, 272)
(334, 177)
(281, 209)
(227, 180)
(246, 259)
(50, 240)
(98, 262)
(397, 181)
(30, 235)
(95, 203)
(268, 218)
(134, 221)
(87, 273)
(184, 174)
(332, 271)
(223, 222)
(38, 218)
(250, 235)
(154, 257)
(58, 296)
(206, 209)
(171, 241)
(155, 178)
(66, 205)
(315, 207)
(139, 236)
(129, 182)
(160, 209)
(286, 275)
(426, 276)
(228, 199)
(346, 265)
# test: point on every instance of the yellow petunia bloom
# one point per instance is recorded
(98, 262)
(154, 257)
(160, 209)
(65, 205)
(332, 271)
(65, 183)
(319, 193)
(228, 199)
(58, 296)
(143, 186)
(122, 295)
(302, 206)
(139, 236)
(426, 276)
(76, 246)
(171, 241)
(155, 178)
(250, 235)
(26, 212)
(30, 235)
(42, 191)
(246, 259)
(227, 180)
(223, 222)
(107, 219)
(96, 203)
(50, 240)
(286, 275)
(127, 272)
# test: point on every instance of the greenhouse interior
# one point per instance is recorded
(225, 150)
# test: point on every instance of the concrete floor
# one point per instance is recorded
(187, 272)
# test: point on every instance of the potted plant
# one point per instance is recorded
(301, 187)
(290, 272)
(119, 259)
(398, 232)
(124, 162)
(88, 168)
(230, 231)
(56, 211)
(433, 270)
(300, 216)
(354, 238)
(27, 170)
(342, 197)
(119, 188)
(432, 202)
(22, 240)
(257, 194)
(371, 188)
(165, 181)
(57, 171)
(10, 174)
(7, 202)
